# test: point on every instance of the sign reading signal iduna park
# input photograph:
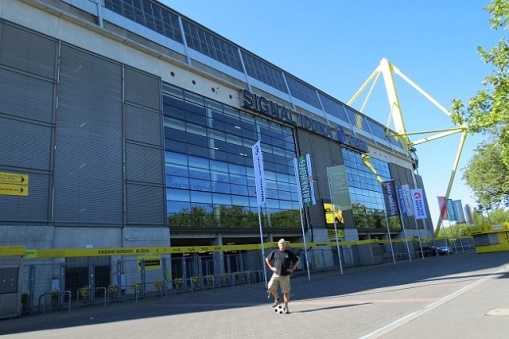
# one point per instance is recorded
(275, 110)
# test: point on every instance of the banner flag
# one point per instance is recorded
(390, 199)
(468, 215)
(304, 177)
(458, 209)
(450, 210)
(442, 207)
(418, 202)
(408, 200)
(339, 188)
(261, 190)
(401, 200)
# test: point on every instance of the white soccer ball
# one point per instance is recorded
(279, 309)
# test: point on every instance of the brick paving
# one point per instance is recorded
(462, 295)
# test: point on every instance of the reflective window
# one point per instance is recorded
(302, 91)
(263, 71)
(205, 42)
(148, 14)
(366, 192)
(377, 128)
(333, 107)
(209, 167)
(357, 119)
(395, 140)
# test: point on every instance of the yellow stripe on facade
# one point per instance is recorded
(147, 251)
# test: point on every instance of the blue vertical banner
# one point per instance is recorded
(261, 188)
(401, 199)
(450, 210)
(408, 200)
(390, 198)
(304, 177)
(458, 209)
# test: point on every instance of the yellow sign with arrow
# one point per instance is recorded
(14, 184)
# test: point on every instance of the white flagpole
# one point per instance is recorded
(404, 234)
(260, 196)
(305, 245)
(301, 204)
(333, 213)
(401, 201)
(416, 210)
(410, 212)
(389, 236)
(263, 247)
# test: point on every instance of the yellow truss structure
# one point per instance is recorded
(388, 70)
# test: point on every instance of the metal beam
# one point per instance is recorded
(388, 70)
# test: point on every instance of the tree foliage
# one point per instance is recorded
(488, 112)
(233, 217)
(487, 175)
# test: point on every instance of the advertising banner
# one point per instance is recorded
(468, 215)
(401, 200)
(408, 199)
(261, 189)
(339, 188)
(390, 198)
(450, 210)
(458, 209)
(304, 177)
(418, 202)
(442, 207)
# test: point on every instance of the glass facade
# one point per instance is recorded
(148, 14)
(264, 72)
(211, 45)
(164, 21)
(209, 165)
(208, 145)
(333, 107)
(366, 192)
(303, 92)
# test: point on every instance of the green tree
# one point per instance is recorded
(498, 216)
(454, 231)
(487, 175)
(488, 112)
(285, 219)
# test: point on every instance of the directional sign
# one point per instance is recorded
(151, 262)
(13, 178)
(7, 189)
(14, 184)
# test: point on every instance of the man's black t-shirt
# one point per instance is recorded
(282, 260)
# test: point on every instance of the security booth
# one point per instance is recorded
(11, 258)
(490, 238)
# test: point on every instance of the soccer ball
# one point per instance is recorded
(279, 309)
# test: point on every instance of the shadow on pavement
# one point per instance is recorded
(364, 280)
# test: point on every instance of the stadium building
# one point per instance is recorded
(125, 124)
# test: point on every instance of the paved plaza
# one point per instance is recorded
(464, 295)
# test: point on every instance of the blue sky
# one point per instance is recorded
(335, 45)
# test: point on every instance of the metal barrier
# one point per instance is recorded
(87, 297)
(56, 299)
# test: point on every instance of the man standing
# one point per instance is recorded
(281, 262)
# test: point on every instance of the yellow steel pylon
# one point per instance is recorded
(388, 70)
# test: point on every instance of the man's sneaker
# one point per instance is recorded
(276, 302)
(286, 311)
